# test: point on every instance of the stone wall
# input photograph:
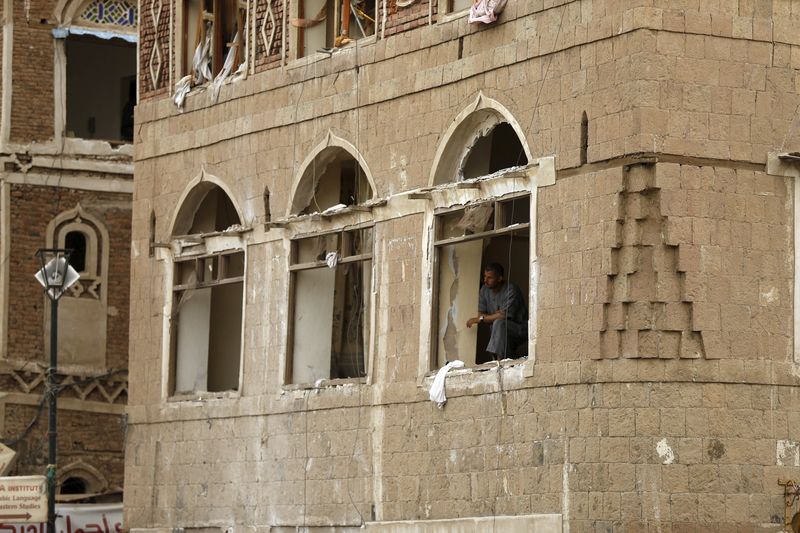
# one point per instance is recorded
(660, 387)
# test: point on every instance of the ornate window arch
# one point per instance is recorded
(84, 308)
(95, 253)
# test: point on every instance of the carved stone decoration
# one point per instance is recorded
(268, 17)
(155, 62)
(110, 388)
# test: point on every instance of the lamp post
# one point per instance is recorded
(56, 276)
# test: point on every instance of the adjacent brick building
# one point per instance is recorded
(321, 224)
(67, 91)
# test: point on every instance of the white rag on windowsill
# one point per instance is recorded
(436, 393)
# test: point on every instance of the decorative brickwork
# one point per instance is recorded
(269, 33)
(33, 208)
(408, 16)
(154, 36)
(92, 438)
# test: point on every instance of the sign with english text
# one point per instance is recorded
(75, 518)
(23, 499)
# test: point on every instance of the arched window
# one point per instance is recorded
(84, 308)
(334, 177)
(207, 290)
(497, 150)
(331, 269)
(81, 478)
(490, 226)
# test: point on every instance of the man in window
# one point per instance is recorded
(502, 305)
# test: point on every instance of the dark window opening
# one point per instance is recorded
(101, 88)
(267, 211)
(584, 138)
(333, 178)
(325, 24)
(76, 241)
(74, 485)
(216, 213)
(219, 22)
(499, 149)
(152, 233)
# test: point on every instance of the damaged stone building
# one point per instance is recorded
(320, 185)
(67, 93)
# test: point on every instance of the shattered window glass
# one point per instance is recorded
(111, 12)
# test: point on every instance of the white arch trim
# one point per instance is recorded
(102, 239)
(201, 178)
(456, 143)
(80, 469)
(330, 141)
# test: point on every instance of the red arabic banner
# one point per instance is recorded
(78, 518)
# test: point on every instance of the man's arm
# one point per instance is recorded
(486, 318)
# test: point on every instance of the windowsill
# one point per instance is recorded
(98, 147)
(325, 384)
(310, 59)
(472, 379)
(203, 396)
(449, 17)
(334, 211)
(206, 85)
(483, 367)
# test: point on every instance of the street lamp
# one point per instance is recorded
(56, 276)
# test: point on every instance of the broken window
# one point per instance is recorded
(214, 37)
(498, 149)
(331, 287)
(208, 281)
(333, 178)
(101, 88)
(467, 239)
(324, 24)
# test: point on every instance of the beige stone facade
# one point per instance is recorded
(651, 238)
(66, 181)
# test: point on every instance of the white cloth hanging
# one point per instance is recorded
(436, 393)
(486, 11)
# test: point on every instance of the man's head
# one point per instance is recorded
(493, 275)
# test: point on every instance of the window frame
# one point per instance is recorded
(437, 244)
(221, 10)
(173, 317)
(295, 267)
(71, 22)
(297, 33)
